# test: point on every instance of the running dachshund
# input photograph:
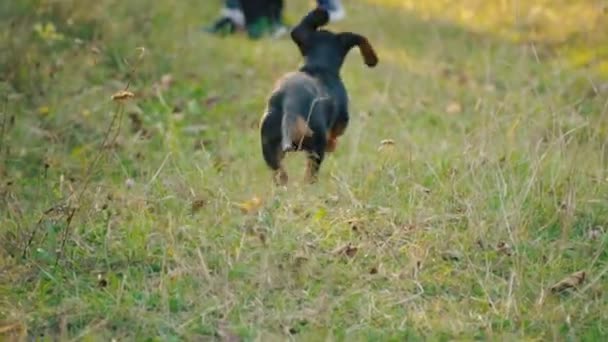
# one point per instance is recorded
(308, 109)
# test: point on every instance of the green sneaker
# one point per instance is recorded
(259, 28)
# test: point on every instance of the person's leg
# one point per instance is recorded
(264, 17)
(279, 28)
(257, 16)
(276, 10)
(231, 17)
(234, 11)
(323, 3)
(334, 7)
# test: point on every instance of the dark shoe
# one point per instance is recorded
(222, 26)
(259, 28)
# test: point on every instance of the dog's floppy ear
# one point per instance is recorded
(310, 23)
(350, 39)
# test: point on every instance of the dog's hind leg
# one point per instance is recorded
(271, 148)
(313, 163)
(274, 157)
(315, 158)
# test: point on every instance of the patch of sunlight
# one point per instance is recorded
(547, 20)
(577, 27)
(602, 68)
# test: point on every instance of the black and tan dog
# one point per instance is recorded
(308, 110)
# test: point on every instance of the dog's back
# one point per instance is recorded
(292, 106)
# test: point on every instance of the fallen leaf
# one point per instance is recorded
(504, 248)
(296, 329)
(453, 108)
(178, 107)
(463, 79)
(166, 81)
(195, 129)
(355, 224)
(199, 144)
(320, 214)
(136, 122)
(129, 183)
(332, 199)
(348, 250)
(422, 188)
(44, 110)
(122, 95)
(251, 205)
(451, 256)
(219, 163)
(386, 143)
(445, 72)
(300, 259)
(101, 281)
(211, 100)
(177, 116)
(384, 211)
(262, 237)
(409, 227)
(11, 327)
(595, 233)
(570, 282)
(198, 204)
(226, 334)
(489, 87)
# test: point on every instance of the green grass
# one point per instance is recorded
(159, 236)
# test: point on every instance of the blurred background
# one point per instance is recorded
(471, 179)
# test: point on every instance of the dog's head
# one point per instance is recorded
(327, 49)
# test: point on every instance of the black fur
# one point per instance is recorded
(308, 109)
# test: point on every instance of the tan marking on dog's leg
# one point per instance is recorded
(332, 142)
(300, 131)
(332, 137)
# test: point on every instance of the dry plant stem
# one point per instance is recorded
(38, 223)
(87, 177)
(82, 190)
(116, 117)
(32, 236)
(65, 234)
(3, 125)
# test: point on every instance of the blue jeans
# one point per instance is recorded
(328, 4)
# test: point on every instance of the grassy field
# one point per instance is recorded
(154, 218)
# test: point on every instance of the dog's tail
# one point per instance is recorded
(294, 129)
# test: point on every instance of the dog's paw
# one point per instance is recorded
(280, 177)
